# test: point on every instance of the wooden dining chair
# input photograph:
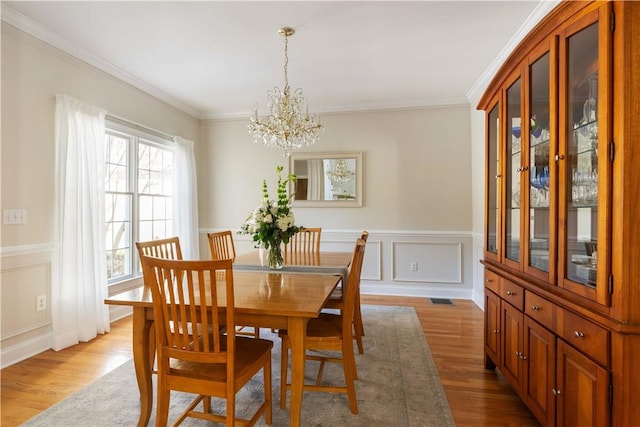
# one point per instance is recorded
(210, 363)
(221, 245)
(334, 333)
(336, 301)
(304, 247)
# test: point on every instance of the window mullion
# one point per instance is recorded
(135, 203)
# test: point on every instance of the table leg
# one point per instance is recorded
(296, 329)
(142, 361)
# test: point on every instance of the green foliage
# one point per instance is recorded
(272, 222)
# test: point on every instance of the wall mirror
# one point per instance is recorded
(326, 179)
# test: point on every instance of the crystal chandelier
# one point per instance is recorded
(289, 126)
(340, 171)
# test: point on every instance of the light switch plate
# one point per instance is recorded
(14, 216)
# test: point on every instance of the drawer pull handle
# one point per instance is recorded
(510, 293)
(535, 308)
(578, 334)
(489, 280)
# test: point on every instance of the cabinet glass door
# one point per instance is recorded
(493, 180)
(539, 224)
(513, 169)
(585, 164)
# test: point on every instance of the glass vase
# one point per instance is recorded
(275, 258)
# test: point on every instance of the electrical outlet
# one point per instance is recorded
(414, 266)
(41, 303)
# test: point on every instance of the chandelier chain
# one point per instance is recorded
(286, 63)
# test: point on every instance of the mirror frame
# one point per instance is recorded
(354, 203)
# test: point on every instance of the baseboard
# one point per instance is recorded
(25, 349)
(478, 299)
(408, 291)
(118, 312)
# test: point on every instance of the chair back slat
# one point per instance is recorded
(221, 245)
(185, 301)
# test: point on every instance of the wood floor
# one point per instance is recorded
(478, 397)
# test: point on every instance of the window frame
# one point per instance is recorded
(136, 135)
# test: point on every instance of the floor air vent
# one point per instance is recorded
(441, 301)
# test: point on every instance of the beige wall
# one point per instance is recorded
(32, 73)
(417, 171)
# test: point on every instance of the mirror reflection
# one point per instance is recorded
(332, 179)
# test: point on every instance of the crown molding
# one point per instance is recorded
(29, 26)
(543, 8)
(365, 108)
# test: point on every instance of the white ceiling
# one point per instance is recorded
(217, 59)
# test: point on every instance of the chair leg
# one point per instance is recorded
(162, 411)
(284, 363)
(206, 404)
(349, 366)
(357, 325)
(267, 391)
(231, 410)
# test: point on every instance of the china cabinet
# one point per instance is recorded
(562, 216)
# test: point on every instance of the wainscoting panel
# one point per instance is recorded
(20, 288)
(439, 262)
(25, 274)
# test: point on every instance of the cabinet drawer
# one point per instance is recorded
(539, 309)
(512, 293)
(492, 281)
(585, 335)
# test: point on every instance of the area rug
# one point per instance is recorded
(398, 385)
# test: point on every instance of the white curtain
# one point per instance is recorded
(315, 186)
(79, 281)
(185, 199)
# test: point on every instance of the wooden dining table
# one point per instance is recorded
(277, 299)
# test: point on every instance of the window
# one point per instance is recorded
(138, 190)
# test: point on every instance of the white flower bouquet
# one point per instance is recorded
(272, 223)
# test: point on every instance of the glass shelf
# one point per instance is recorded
(535, 143)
